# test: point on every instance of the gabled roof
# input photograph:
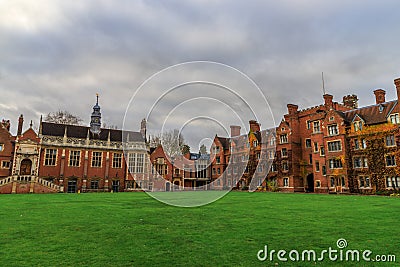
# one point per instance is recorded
(224, 141)
(257, 135)
(29, 134)
(76, 131)
(373, 114)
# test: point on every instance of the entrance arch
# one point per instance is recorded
(26, 167)
(310, 183)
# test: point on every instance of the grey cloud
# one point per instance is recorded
(57, 55)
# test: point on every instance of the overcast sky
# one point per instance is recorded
(59, 54)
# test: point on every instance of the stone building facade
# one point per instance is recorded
(72, 158)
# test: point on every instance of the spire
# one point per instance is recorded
(95, 120)
(31, 124)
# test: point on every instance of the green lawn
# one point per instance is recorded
(133, 229)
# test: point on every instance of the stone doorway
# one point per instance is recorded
(26, 167)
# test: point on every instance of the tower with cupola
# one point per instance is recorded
(95, 120)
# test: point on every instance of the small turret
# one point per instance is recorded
(95, 120)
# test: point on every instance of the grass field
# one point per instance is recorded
(132, 229)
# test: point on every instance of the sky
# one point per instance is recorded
(56, 55)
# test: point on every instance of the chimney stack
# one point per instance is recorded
(254, 126)
(292, 109)
(20, 124)
(235, 130)
(6, 124)
(328, 101)
(350, 101)
(380, 96)
(397, 83)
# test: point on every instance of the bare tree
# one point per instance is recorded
(172, 141)
(111, 126)
(63, 117)
(203, 149)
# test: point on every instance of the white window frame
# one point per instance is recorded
(50, 157)
(97, 159)
(306, 143)
(358, 125)
(316, 127)
(337, 148)
(333, 130)
(284, 152)
(333, 164)
(394, 118)
(74, 158)
(393, 160)
(117, 161)
(390, 140)
(5, 164)
(286, 182)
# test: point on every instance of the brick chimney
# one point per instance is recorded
(20, 124)
(380, 96)
(254, 126)
(350, 101)
(328, 101)
(235, 130)
(6, 124)
(397, 83)
(292, 109)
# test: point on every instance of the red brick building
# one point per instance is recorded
(188, 172)
(330, 148)
(71, 158)
(334, 147)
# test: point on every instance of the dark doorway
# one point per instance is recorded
(26, 167)
(115, 185)
(310, 183)
(168, 187)
(71, 186)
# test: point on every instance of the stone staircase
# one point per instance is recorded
(27, 184)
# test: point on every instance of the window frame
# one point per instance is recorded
(285, 181)
(117, 161)
(337, 148)
(74, 160)
(48, 158)
(390, 140)
(97, 160)
(316, 127)
(335, 130)
(4, 163)
(392, 160)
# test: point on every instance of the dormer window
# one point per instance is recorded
(357, 126)
(381, 107)
(394, 118)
